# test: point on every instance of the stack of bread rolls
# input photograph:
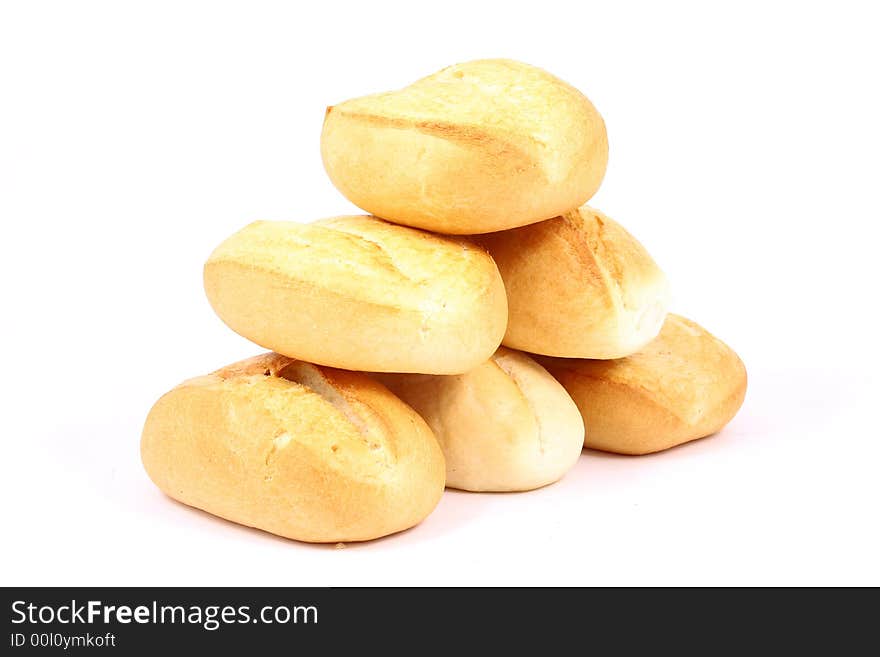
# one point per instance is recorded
(476, 330)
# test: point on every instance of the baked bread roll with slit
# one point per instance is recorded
(476, 147)
(506, 425)
(306, 452)
(684, 385)
(360, 293)
(579, 286)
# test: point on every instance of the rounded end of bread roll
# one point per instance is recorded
(640, 317)
(477, 147)
(506, 425)
(686, 384)
(360, 293)
(305, 452)
(579, 286)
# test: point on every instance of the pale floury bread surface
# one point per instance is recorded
(684, 385)
(361, 294)
(305, 452)
(506, 425)
(476, 147)
(579, 286)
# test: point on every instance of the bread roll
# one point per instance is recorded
(684, 385)
(506, 425)
(360, 294)
(579, 286)
(309, 453)
(476, 147)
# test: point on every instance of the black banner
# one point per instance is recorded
(146, 620)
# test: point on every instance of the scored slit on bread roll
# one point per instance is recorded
(578, 286)
(306, 452)
(506, 425)
(476, 147)
(686, 384)
(361, 294)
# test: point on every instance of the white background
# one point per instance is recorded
(134, 137)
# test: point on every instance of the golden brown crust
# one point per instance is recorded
(477, 147)
(684, 385)
(473, 136)
(361, 294)
(578, 286)
(306, 452)
(506, 425)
